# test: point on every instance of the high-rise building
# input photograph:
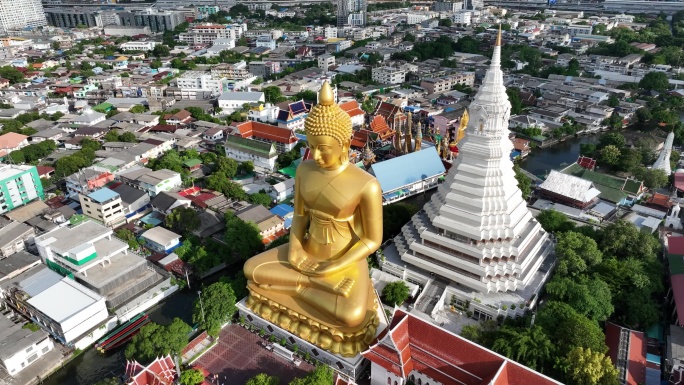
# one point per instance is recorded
(20, 14)
(19, 185)
(72, 17)
(351, 12)
(476, 234)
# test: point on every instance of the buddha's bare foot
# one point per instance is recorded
(342, 287)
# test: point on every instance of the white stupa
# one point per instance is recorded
(663, 161)
(477, 231)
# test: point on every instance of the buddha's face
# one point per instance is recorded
(326, 151)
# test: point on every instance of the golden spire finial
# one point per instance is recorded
(325, 95)
(498, 37)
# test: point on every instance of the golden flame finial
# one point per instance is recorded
(325, 95)
(498, 37)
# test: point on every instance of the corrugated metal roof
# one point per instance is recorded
(39, 282)
(406, 169)
(570, 186)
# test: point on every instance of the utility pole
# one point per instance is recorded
(199, 294)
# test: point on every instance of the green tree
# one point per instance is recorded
(261, 199)
(524, 182)
(155, 340)
(183, 220)
(528, 346)
(128, 137)
(263, 379)
(161, 50)
(655, 80)
(322, 375)
(191, 377)
(516, 102)
(612, 139)
(227, 166)
(624, 240)
(610, 155)
(576, 254)
(305, 95)
(613, 101)
(218, 302)
(652, 178)
(555, 221)
(238, 10)
(395, 293)
(568, 329)
(273, 94)
(587, 367)
(394, 216)
(137, 109)
(243, 238)
(12, 74)
(445, 22)
(589, 297)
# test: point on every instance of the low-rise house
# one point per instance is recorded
(180, 117)
(12, 141)
(569, 190)
(232, 101)
(152, 182)
(103, 205)
(20, 346)
(165, 202)
(284, 139)
(268, 223)
(15, 237)
(86, 180)
(134, 201)
(161, 240)
(283, 190)
(214, 134)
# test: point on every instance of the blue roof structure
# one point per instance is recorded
(653, 358)
(102, 195)
(282, 210)
(404, 170)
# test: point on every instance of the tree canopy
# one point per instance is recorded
(395, 293)
(322, 375)
(218, 302)
(183, 220)
(263, 379)
(155, 340)
(191, 377)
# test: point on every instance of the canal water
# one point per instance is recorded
(91, 366)
(542, 160)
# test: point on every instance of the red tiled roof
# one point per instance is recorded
(266, 131)
(379, 124)
(677, 283)
(586, 162)
(679, 180)
(636, 369)
(634, 360)
(351, 108)
(194, 343)
(163, 128)
(413, 344)
(359, 139)
(161, 371)
(661, 200)
(44, 170)
(675, 246)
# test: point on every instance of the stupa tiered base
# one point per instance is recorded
(307, 323)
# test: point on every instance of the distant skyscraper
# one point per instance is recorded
(19, 14)
(351, 12)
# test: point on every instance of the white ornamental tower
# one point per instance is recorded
(663, 161)
(477, 231)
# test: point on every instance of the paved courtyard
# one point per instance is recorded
(239, 355)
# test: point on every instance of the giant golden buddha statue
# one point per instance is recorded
(317, 286)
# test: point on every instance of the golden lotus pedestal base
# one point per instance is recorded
(307, 323)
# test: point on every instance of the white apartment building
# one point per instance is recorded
(40, 293)
(389, 75)
(463, 17)
(326, 61)
(144, 46)
(103, 205)
(232, 71)
(152, 182)
(576, 29)
(266, 41)
(446, 83)
(19, 14)
(206, 34)
(21, 347)
(199, 85)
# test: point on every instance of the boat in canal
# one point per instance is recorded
(123, 333)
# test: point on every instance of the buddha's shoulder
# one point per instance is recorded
(360, 176)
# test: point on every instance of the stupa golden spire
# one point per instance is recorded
(498, 37)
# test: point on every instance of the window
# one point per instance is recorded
(315, 352)
(292, 340)
(270, 329)
(29, 349)
(389, 381)
(33, 358)
(45, 349)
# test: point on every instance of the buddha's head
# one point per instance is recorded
(328, 131)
